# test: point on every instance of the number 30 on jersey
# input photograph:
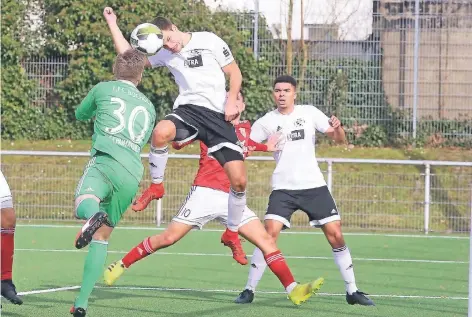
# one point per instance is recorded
(136, 137)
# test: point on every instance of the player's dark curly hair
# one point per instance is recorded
(163, 23)
(129, 66)
(286, 79)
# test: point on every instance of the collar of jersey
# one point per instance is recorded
(285, 114)
(127, 82)
(184, 48)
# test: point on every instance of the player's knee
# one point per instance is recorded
(84, 203)
(268, 244)
(238, 183)
(168, 239)
(8, 218)
(272, 232)
(163, 133)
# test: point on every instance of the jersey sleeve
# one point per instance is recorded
(259, 132)
(87, 108)
(156, 60)
(320, 120)
(254, 146)
(243, 131)
(221, 51)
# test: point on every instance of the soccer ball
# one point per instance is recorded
(147, 38)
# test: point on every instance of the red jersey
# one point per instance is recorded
(210, 173)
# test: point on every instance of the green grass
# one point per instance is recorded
(370, 196)
(37, 267)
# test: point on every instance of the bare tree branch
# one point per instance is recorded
(303, 46)
(289, 51)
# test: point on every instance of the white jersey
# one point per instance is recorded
(197, 70)
(5, 193)
(296, 167)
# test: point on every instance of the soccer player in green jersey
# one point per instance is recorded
(124, 120)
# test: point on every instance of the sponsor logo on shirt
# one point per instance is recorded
(226, 52)
(296, 135)
(193, 62)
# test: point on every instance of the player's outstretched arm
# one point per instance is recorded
(270, 146)
(87, 108)
(121, 44)
(336, 131)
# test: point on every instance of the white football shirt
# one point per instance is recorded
(197, 70)
(5, 193)
(296, 166)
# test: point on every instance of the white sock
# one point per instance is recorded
(157, 163)
(258, 266)
(290, 288)
(342, 258)
(236, 206)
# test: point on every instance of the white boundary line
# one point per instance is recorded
(165, 289)
(395, 235)
(49, 290)
(287, 256)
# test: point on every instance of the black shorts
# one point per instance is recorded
(210, 127)
(317, 203)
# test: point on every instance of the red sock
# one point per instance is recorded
(232, 234)
(137, 253)
(8, 245)
(279, 267)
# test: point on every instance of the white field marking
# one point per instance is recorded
(49, 290)
(424, 236)
(286, 256)
(165, 289)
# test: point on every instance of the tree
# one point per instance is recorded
(303, 45)
(80, 31)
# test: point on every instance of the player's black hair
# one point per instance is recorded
(163, 23)
(286, 79)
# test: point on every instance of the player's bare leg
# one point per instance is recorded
(174, 232)
(254, 232)
(93, 268)
(8, 224)
(343, 259)
(163, 133)
(236, 172)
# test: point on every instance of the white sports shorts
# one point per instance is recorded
(204, 204)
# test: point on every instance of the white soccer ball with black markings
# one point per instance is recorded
(147, 38)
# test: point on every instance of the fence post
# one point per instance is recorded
(256, 29)
(470, 257)
(159, 212)
(427, 191)
(330, 176)
(415, 68)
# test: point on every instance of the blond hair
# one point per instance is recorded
(129, 66)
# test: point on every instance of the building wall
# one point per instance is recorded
(353, 17)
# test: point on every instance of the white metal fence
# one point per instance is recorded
(387, 195)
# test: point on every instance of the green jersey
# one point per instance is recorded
(124, 120)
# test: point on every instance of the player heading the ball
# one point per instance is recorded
(198, 62)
